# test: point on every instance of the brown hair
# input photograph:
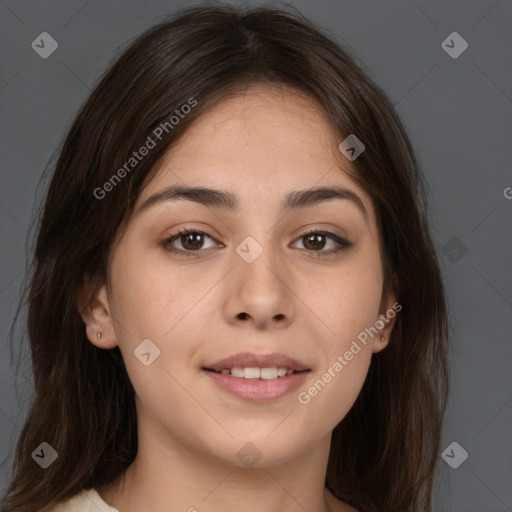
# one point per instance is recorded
(386, 449)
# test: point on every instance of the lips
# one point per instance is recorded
(248, 360)
(256, 377)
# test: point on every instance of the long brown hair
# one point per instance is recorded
(386, 449)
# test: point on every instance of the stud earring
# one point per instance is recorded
(99, 335)
(382, 338)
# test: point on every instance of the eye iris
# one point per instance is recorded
(315, 236)
(191, 236)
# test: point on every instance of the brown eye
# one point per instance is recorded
(191, 241)
(316, 241)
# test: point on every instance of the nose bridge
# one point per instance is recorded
(258, 287)
(259, 255)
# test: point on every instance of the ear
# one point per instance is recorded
(93, 306)
(388, 310)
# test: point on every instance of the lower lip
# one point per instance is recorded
(258, 390)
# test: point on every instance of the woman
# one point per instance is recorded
(235, 299)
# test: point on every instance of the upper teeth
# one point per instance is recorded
(257, 373)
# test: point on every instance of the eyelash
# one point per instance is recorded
(343, 244)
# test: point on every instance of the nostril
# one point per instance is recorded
(242, 316)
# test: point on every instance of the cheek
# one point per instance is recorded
(167, 304)
(349, 306)
(337, 383)
(157, 303)
(154, 298)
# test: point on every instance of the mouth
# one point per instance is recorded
(257, 378)
(252, 362)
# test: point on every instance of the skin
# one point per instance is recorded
(297, 299)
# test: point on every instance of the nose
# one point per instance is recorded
(259, 293)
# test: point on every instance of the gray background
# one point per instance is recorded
(457, 112)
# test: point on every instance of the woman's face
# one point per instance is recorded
(251, 285)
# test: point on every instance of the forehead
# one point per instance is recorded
(262, 140)
(269, 118)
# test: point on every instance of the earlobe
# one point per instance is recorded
(380, 344)
(93, 306)
(388, 310)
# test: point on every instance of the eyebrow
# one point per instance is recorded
(220, 198)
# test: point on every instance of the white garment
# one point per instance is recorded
(86, 501)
